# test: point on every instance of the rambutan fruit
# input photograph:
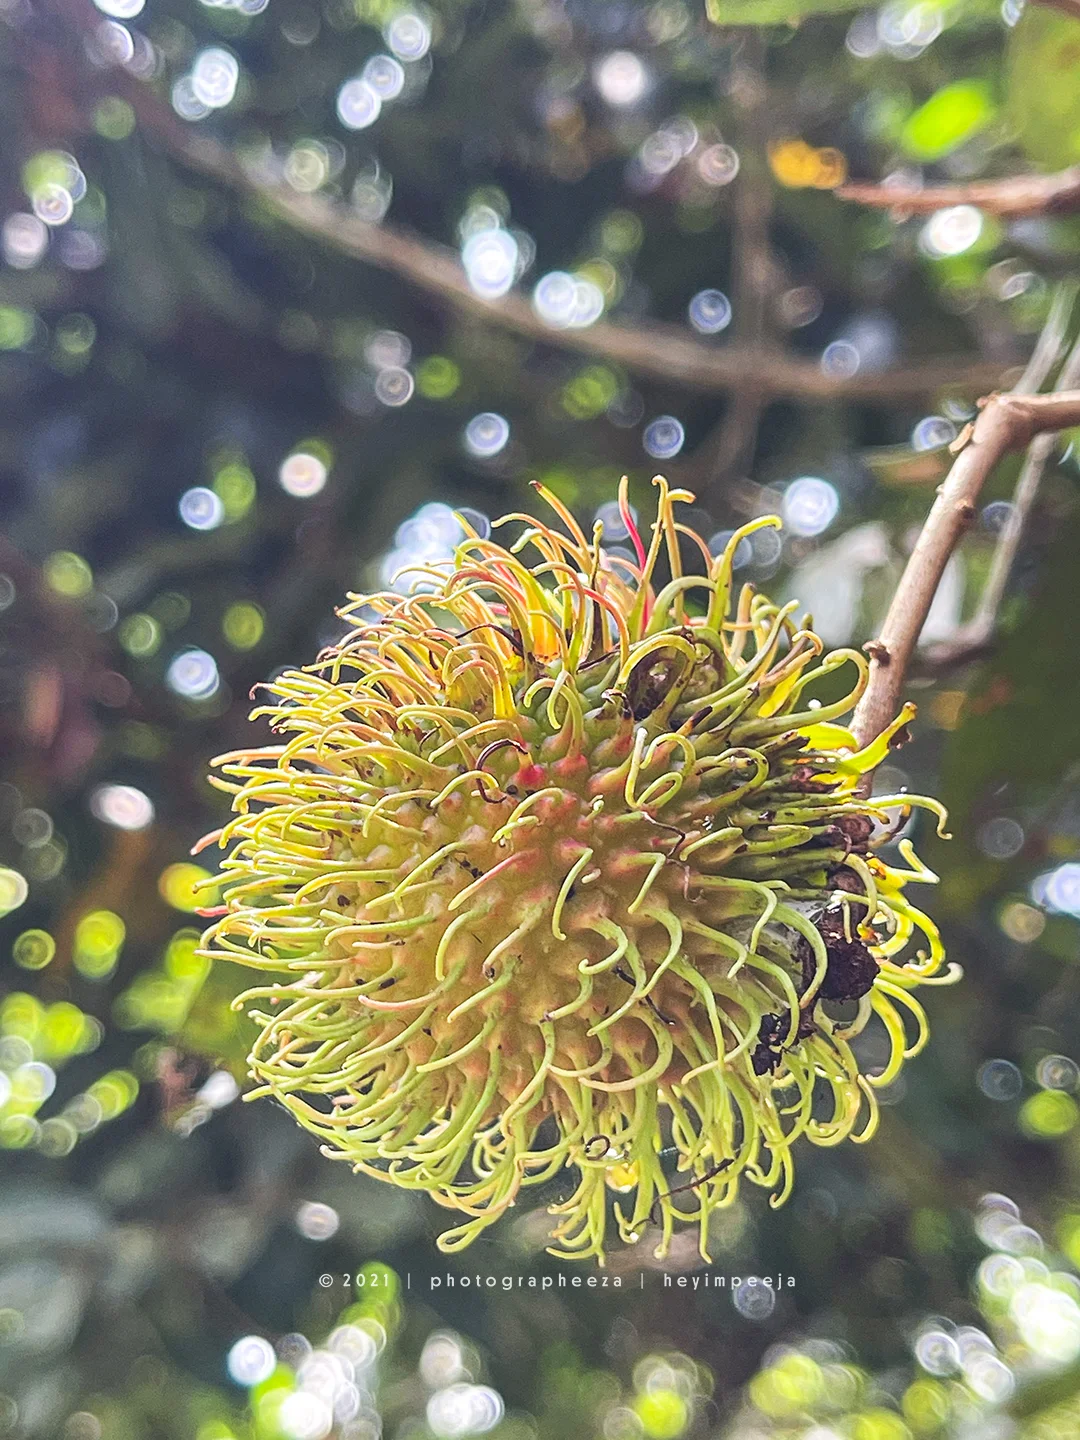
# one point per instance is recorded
(561, 868)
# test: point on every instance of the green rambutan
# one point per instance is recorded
(564, 869)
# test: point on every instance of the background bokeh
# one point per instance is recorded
(287, 282)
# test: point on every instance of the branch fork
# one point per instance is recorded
(1006, 422)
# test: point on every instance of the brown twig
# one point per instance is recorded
(1040, 366)
(974, 637)
(1067, 7)
(1018, 195)
(1005, 423)
(969, 644)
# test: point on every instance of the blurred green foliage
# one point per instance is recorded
(1043, 67)
(215, 423)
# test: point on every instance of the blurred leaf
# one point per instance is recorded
(993, 746)
(212, 1028)
(830, 583)
(792, 12)
(993, 741)
(773, 12)
(954, 114)
(1043, 87)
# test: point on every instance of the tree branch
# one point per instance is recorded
(661, 352)
(974, 637)
(1005, 423)
(1018, 195)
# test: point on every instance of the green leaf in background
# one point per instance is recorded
(773, 12)
(792, 12)
(952, 115)
(999, 717)
(1043, 87)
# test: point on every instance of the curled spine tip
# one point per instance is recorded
(629, 522)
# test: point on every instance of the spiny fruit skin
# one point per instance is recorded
(561, 870)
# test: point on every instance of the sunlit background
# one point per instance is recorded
(288, 288)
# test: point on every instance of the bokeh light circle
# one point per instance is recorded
(1000, 838)
(302, 475)
(664, 437)
(387, 348)
(120, 9)
(25, 238)
(753, 1299)
(710, 312)
(1000, 1080)
(394, 386)
(358, 105)
(932, 432)
(490, 258)
(53, 204)
(952, 231)
(462, 1409)
(182, 885)
(13, 890)
(810, 505)
(997, 515)
(937, 1352)
(304, 1415)
(477, 519)
(1057, 1072)
(193, 674)
(610, 517)
(385, 75)
(316, 1221)
(214, 77)
(124, 806)
(185, 102)
(744, 551)
(486, 434)
(251, 1360)
(840, 360)
(621, 78)
(554, 299)
(718, 164)
(201, 509)
(1061, 889)
(588, 304)
(33, 949)
(408, 36)
(114, 43)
